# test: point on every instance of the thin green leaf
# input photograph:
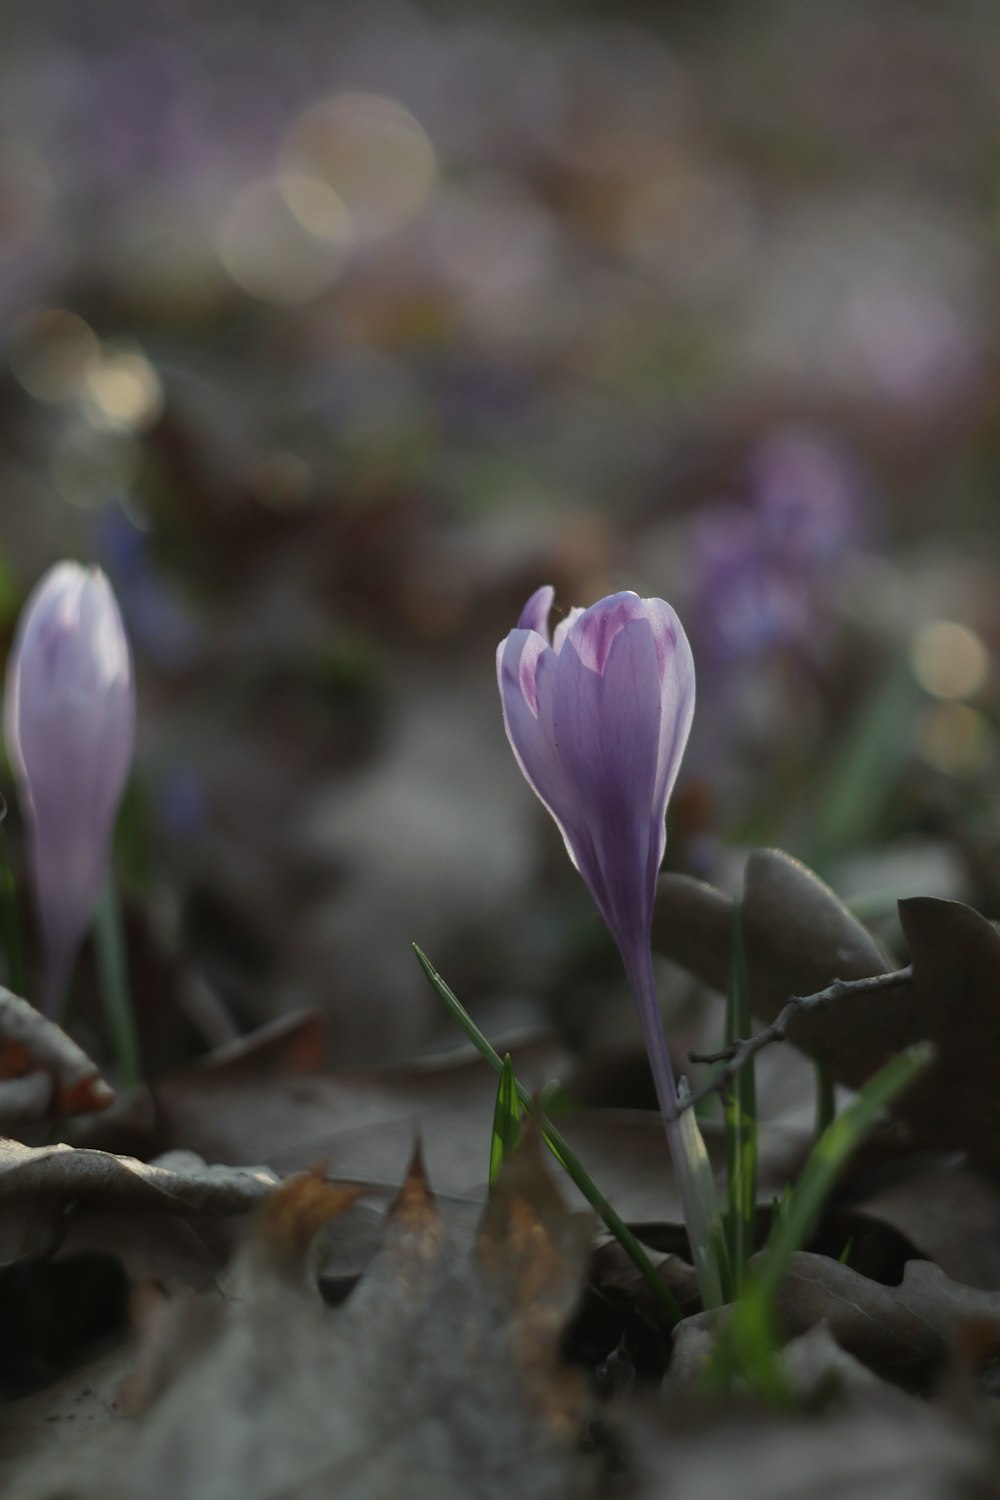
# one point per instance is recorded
(10, 917)
(747, 1347)
(506, 1120)
(740, 1108)
(826, 1161)
(826, 1098)
(560, 1150)
(118, 1013)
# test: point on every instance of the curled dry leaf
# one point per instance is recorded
(39, 1183)
(43, 1073)
(440, 1377)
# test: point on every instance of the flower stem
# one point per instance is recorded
(692, 1169)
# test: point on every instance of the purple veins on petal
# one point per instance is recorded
(598, 724)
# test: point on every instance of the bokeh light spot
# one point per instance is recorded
(949, 660)
(52, 351)
(123, 390)
(371, 154)
(267, 251)
(957, 740)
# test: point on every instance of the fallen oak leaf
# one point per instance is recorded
(901, 1332)
(32, 1046)
(440, 1377)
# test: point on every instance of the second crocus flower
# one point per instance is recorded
(69, 712)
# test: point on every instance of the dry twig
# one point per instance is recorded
(738, 1053)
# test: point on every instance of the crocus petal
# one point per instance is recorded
(525, 668)
(564, 627)
(607, 729)
(69, 711)
(598, 723)
(535, 614)
(675, 664)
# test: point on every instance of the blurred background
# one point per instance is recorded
(332, 331)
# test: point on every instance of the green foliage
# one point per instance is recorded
(746, 1351)
(570, 1164)
(10, 918)
(741, 1120)
(506, 1120)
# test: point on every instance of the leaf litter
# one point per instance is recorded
(441, 1376)
(438, 1312)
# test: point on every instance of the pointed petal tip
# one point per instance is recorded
(535, 614)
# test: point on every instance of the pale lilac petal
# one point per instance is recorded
(598, 723)
(677, 697)
(69, 711)
(524, 665)
(594, 629)
(535, 614)
(564, 627)
(607, 730)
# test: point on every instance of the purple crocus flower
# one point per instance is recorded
(69, 711)
(598, 716)
(598, 719)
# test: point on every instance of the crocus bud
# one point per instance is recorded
(69, 710)
(598, 718)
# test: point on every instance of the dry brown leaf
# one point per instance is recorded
(439, 1378)
(902, 1332)
(949, 1213)
(363, 1123)
(43, 1073)
(953, 1001)
(39, 1183)
(797, 934)
(799, 937)
(879, 1444)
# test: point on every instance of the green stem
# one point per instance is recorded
(826, 1098)
(17, 972)
(113, 967)
(570, 1164)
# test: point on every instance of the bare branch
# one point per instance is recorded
(739, 1053)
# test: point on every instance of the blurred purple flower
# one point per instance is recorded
(809, 497)
(69, 711)
(756, 569)
(598, 716)
(747, 601)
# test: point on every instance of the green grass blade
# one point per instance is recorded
(109, 939)
(10, 917)
(747, 1347)
(506, 1120)
(826, 1098)
(841, 1137)
(570, 1164)
(740, 1108)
